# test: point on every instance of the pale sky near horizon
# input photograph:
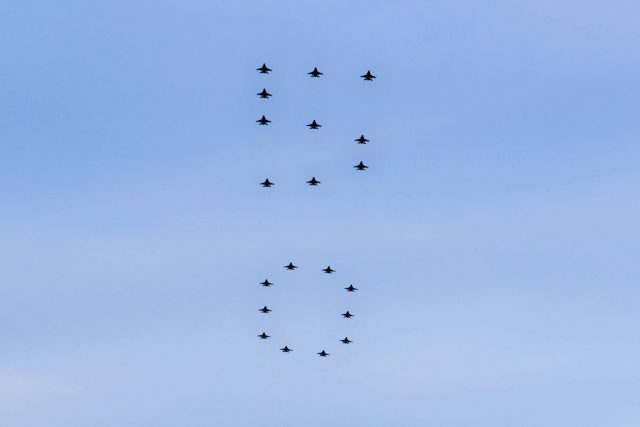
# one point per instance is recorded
(494, 238)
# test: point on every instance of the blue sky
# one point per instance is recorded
(494, 239)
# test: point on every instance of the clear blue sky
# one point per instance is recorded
(494, 239)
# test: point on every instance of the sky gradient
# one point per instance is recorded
(494, 238)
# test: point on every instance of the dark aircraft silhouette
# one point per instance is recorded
(345, 340)
(265, 310)
(323, 354)
(351, 288)
(285, 349)
(266, 283)
(264, 94)
(266, 183)
(290, 266)
(328, 270)
(368, 76)
(314, 125)
(361, 140)
(263, 121)
(315, 72)
(313, 181)
(264, 69)
(361, 166)
(263, 336)
(347, 314)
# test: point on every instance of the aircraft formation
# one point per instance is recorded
(314, 125)
(361, 166)
(266, 310)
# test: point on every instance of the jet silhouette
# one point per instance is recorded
(351, 288)
(328, 270)
(361, 140)
(315, 72)
(361, 166)
(285, 349)
(264, 69)
(368, 76)
(313, 181)
(263, 121)
(346, 340)
(290, 266)
(266, 183)
(323, 354)
(314, 125)
(347, 314)
(264, 94)
(263, 336)
(265, 310)
(266, 283)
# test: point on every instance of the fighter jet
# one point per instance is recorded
(368, 76)
(263, 336)
(266, 283)
(285, 349)
(328, 270)
(267, 183)
(313, 181)
(265, 310)
(351, 288)
(361, 166)
(315, 72)
(346, 340)
(323, 354)
(264, 69)
(347, 314)
(290, 266)
(314, 125)
(264, 94)
(361, 140)
(263, 121)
